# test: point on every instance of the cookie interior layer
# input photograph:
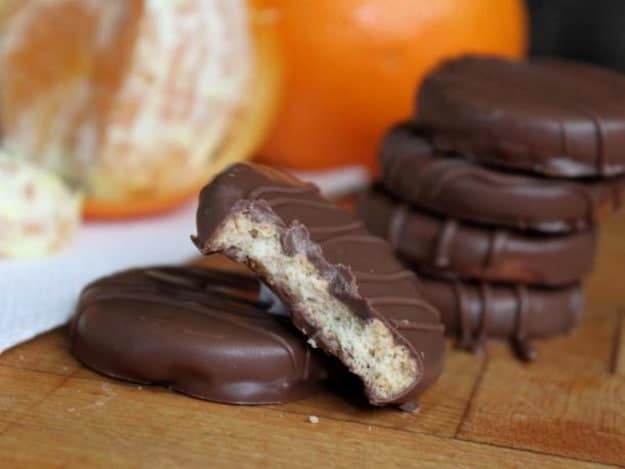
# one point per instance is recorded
(552, 117)
(206, 333)
(434, 243)
(455, 187)
(344, 287)
(366, 345)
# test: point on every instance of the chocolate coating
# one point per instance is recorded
(453, 187)
(475, 312)
(433, 243)
(202, 332)
(551, 117)
(361, 269)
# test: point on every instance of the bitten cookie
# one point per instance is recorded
(551, 117)
(454, 187)
(343, 286)
(433, 243)
(205, 333)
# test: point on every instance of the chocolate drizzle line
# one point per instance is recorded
(205, 302)
(453, 248)
(257, 192)
(336, 229)
(439, 181)
(396, 226)
(287, 201)
(572, 114)
(399, 301)
(390, 277)
(496, 246)
(354, 239)
(199, 332)
(589, 202)
(554, 96)
(346, 238)
(466, 341)
(445, 241)
(330, 238)
(404, 324)
(466, 328)
(520, 344)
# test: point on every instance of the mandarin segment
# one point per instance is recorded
(138, 101)
(189, 67)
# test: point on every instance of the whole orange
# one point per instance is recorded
(351, 67)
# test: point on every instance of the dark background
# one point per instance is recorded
(586, 30)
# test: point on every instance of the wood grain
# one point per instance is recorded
(589, 347)
(618, 358)
(442, 407)
(488, 410)
(102, 424)
(48, 353)
(570, 412)
(20, 390)
(607, 284)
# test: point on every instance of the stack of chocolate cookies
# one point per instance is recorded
(494, 191)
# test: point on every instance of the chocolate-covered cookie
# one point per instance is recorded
(475, 312)
(551, 117)
(434, 243)
(206, 333)
(454, 187)
(344, 287)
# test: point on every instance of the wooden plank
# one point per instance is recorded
(589, 347)
(95, 424)
(48, 353)
(442, 406)
(549, 408)
(618, 358)
(605, 285)
(20, 390)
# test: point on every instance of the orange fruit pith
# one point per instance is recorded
(352, 68)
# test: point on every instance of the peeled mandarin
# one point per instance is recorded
(137, 101)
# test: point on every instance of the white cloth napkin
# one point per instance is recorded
(39, 294)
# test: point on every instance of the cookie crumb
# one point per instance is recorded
(313, 419)
(312, 343)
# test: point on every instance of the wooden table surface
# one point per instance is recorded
(565, 410)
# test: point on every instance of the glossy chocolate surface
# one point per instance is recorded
(434, 243)
(361, 269)
(552, 117)
(205, 333)
(475, 312)
(454, 187)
